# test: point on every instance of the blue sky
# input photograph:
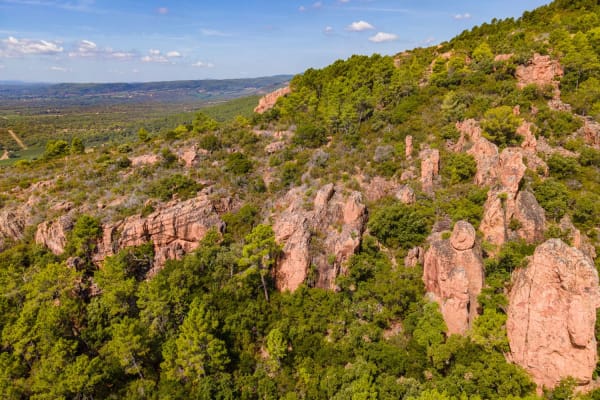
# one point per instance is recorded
(126, 40)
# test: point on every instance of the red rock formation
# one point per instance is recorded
(12, 225)
(274, 147)
(268, 101)
(590, 132)
(551, 315)
(430, 168)
(408, 147)
(414, 257)
(541, 71)
(377, 187)
(453, 275)
(578, 240)
(506, 203)
(175, 229)
(503, 57)
(324, 236)
(405, 194)
(53, 234)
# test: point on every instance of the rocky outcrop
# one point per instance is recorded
(12, 225)
(453, 276)
(268, 101)
(430, 168)
(322, 233)
(408, 147)
(274, 147)
(541, 71)
(551, 315)
(590, 131)
(146, 159)
(405, 194)
(192, 156)
(174, 228)
(510, 213)
(377, 187)
(577, 239)
(53, 234)
(414, 257)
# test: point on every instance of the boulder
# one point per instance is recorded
(174, 228)
(552, 313)
(274, 147)
(405, 194)
(453, 276)
(378, 187)
(324, 236)
(408, 147)
(268, 101)
(146, 159)
(53, 234)
(414, 257)
(12, 225)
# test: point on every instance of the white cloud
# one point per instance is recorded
(59, 69)
(429, 40)
(381, 37)
(87, 48)
(344, 1)
(328, 30)
(301, 8)
(156, 56)
(359, 26)
(162, 10)
(318, 4)
(13, 47)
(202, 64)
(462, 16)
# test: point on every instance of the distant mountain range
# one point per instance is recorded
(172, 91)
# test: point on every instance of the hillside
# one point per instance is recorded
(423, 226)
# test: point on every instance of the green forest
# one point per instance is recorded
(212, 325)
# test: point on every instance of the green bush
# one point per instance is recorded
(562, 167)
(56, 148)
(553, 196)
(459, 167)
(589, 157)
(310, 136)
(400, 226)
(238, 164)
(500, 126)
(182, 186)
(209, 142)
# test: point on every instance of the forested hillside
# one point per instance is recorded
(423, 226)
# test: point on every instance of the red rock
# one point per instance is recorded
(541, 71)
(453, 276)
(408, 144)
(590, 132)
(268, 101)
(503, 57)
(324, 236)
(192, 156)
(430, 166)
(175, 229)
(578, 240)
(552, 313)
(414, 257)
(53, 234)
(274, 147)
(529, 142)
(12, 225)
(405, 194)
(377, 187)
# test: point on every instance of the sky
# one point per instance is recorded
(158, 40)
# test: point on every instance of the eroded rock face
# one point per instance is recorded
(268, 101)
(377, 187)
(453, 275)
(430, 168)
(146, 159)
(414, 257)
(505, 203)
(53, 234)
(175, 229)
(12, 225)
(590, 132)
(578, 240)
(408, 147)
(551, 315)
(541, 70)
(325, 235)
(405, 194)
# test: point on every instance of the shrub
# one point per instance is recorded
(500, 126)
(459, 167)
(589, 157)
(399, 225)
(562, 167)
(209, 142)
(182, 186)
(553, 196)
(56, 148)
(238, 164)
(310, 136)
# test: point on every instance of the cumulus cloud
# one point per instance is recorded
(301, 8)
(156, 56)
(462, 16)
(318, 4)
(202, 64)
(359, 26)
(162, 10)
(381, 37)
(328, 30)
(13, 47)
(87, 49)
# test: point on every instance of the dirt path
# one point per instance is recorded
(16, 138)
